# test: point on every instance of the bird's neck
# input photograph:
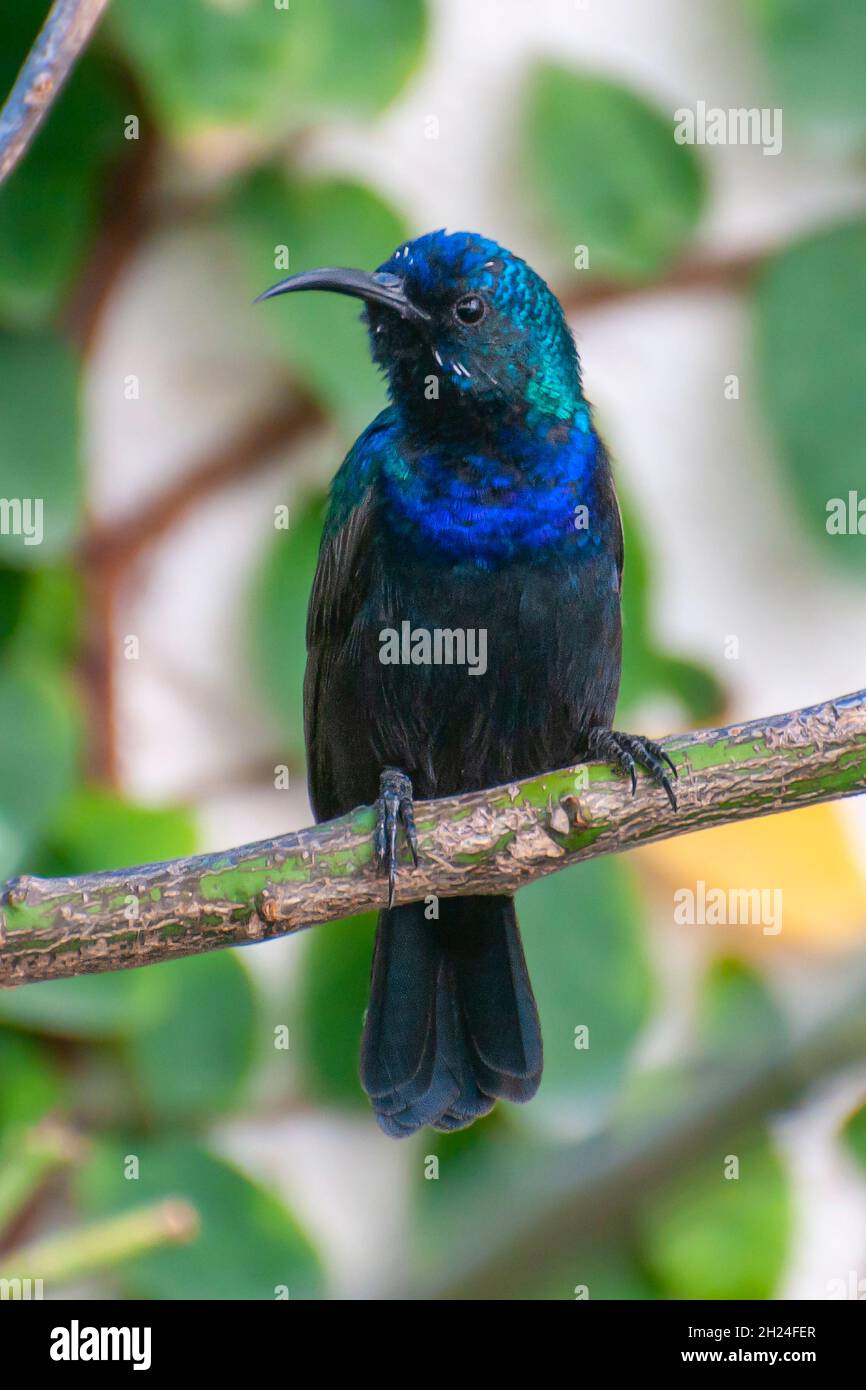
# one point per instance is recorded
(515, 489)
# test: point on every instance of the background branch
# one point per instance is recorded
(493, 841)
(48, 64)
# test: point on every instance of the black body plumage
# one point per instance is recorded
(464, 631)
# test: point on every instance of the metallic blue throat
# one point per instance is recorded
(485, 510)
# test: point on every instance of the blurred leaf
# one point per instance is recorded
(12, 585)
(272, 66)
(607, 174)
(737, 1013)
(49, 205)
(320, 222)
(712, 1237)
(484, 1174)
(648, 1098)
(854, 1133)
(811, 343)
(249, 1244)
(40, 479)
(583, 930)
(89, 1006)
(38, 756)
(333, 989)
(97, 830)
(30, 1083)
(647, 671)
(50, 621)
(194, 1055)
(280, 606)
(816, 54)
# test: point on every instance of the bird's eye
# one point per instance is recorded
(470, 309)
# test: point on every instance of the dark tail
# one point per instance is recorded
(452, 1023)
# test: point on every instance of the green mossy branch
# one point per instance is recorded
(493, 841)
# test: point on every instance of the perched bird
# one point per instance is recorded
(463, 631)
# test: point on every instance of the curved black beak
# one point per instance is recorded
(377, 287)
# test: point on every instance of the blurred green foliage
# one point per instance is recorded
(274, 67)
(607, 175)
(148, 1061)
(723, 1230)
(810, 307)
(249, 1247)
(327, 222)
(815, 55)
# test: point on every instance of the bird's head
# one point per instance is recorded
(462, 328)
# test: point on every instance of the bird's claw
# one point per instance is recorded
(626, 751)
(394, 808)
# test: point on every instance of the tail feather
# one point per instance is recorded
(452, 1024)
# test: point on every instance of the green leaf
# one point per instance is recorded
(41, 488)
(583, 932)
(279, 605)
(30, 1083)
(38, 756)
(88, 1006)
(267, 65)
(249, 1245)
(606, 172)
(712, 1237)
(810, 304)
(12, 586)
(854, 1134)
(49, 205)
(815, 53)
(51, 615)
(192, 1058)
(647, 671)
(97, 830)
(319, 222)
(737, 1013)
(333, 989)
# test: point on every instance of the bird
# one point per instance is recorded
(464, 631)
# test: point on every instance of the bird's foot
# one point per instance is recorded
(393, 808)
(625, 751)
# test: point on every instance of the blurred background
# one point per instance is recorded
(710, 1140)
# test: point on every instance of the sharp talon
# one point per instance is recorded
(624, 750)
(394, 809)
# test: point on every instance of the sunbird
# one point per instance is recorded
(464, 631)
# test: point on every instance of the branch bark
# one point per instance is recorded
(59, 42)
(492, 841)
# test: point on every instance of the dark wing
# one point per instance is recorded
(339, 589)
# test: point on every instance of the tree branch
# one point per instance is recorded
(493, 841)
(48, 64)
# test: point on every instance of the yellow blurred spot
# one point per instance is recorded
(804, 854)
